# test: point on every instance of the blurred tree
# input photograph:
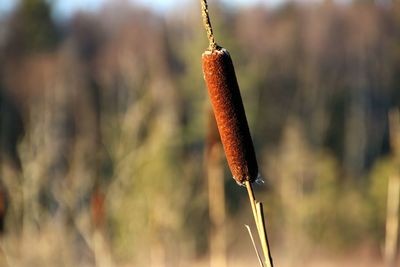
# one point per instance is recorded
(31, 29)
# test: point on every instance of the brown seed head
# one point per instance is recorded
(224, 93)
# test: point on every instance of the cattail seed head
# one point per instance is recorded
(224, 93)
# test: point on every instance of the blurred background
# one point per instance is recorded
(109, 155)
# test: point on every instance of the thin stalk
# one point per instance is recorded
(254, 245)
(207, 25)
(253, 208)
(252, 201)
(259, 221)
(264, 239)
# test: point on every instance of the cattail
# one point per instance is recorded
(226, 100)
(224, 93)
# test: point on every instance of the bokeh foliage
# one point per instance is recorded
(115, 102)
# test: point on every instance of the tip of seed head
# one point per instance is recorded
(219, 50)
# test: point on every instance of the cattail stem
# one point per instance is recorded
(258, 214)
(263, 235)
